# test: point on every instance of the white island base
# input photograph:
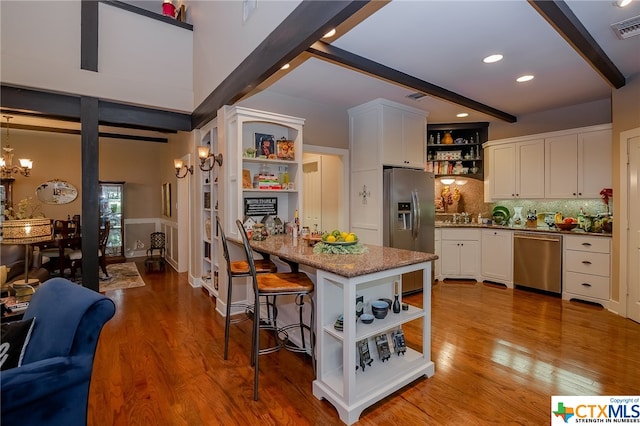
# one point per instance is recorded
(340, 380)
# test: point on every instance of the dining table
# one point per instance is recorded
(351, 372)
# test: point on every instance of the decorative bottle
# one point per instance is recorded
(396, 301)
(447, 139)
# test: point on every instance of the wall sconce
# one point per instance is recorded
(179, 165)
(204, 154)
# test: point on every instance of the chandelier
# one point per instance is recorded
(7, 168)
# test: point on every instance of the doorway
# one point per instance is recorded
(633, 232)
(326, 182)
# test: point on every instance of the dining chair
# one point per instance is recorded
(276, 284)
(155, 252)
(238, 269)
(76, 255)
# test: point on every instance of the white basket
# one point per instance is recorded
(449, 155)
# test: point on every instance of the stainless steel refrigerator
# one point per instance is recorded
(409, 214)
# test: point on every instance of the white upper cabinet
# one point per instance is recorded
(574, 163)
(578, 164)
(396, 131)
(516, 170)
(404, 137)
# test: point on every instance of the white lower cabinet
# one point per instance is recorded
(460, 254)
(587, 269)
(497, 256)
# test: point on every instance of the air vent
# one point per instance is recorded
(416, 96)
(627, 28)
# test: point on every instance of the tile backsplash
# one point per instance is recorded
(472, 201)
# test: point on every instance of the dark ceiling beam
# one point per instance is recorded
(53, 104)
(89, 35)
(111, 135)
(565, 22)
(306, 24)
(334, 54)
(117, 114)
(65, 107)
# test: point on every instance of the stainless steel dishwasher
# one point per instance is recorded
(537, 261)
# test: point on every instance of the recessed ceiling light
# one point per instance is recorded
(492, 58)
(285, 67)
(462, 115)
(623, 3)
(330, 34)
(524, 78)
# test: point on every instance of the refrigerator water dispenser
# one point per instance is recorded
(404, 216)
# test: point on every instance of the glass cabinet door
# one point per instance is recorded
(111, 210)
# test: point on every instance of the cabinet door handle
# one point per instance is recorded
(586, 262)
(586, 284)
(574, 193)
(586, 244)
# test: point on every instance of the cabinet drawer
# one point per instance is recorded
(461, 234)
(587, 263)
(592, 244)
(587, 285)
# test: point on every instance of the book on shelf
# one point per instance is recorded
(207, 200)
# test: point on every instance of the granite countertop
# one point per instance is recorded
(521, 229)
(347, 265)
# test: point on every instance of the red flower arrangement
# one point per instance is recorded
(606, 193)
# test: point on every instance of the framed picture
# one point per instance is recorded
(265, 146)
(285, 149)
(166, 199)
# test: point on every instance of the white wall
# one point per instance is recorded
(220, 32)
(141, 60)
(324, 125)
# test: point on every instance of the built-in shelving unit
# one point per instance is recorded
(254, 182)
(209, 204)
(466, 149)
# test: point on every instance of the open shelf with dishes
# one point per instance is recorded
(456, 149)
(360, 363)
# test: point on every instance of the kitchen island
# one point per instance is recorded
(340, 278)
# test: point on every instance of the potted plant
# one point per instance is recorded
(250, 152)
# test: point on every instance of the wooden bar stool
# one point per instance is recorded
(295, 284)
(238, 269)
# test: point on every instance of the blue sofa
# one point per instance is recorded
(52, 385)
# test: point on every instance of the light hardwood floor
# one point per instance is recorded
(499, 354)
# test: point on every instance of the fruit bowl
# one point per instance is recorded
(565, 226)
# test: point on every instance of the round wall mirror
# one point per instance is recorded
(56, 192)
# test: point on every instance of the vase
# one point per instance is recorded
(447, 139)
(517, 216)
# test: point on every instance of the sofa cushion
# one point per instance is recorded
(15, 338)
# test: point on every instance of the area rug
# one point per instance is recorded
(121, 276)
